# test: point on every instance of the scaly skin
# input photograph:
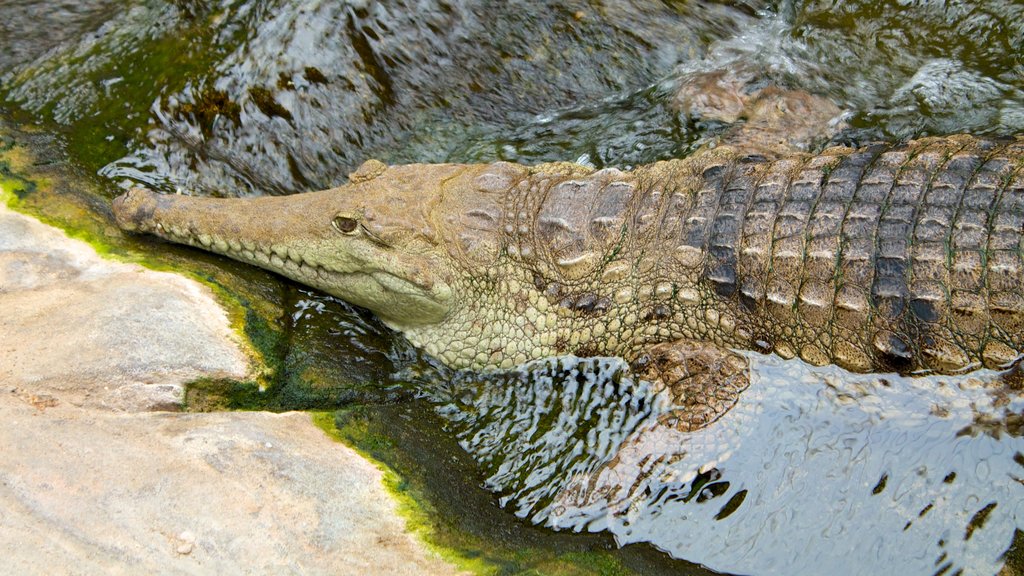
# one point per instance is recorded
(903, 258)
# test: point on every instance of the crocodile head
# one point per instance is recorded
(376, 242)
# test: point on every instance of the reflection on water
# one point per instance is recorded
(811, 466)
(564, 416)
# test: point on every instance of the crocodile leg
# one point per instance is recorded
(703, 380)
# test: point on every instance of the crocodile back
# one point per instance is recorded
(881, 258)
(884, 258)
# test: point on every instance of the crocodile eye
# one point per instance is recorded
(345, 225)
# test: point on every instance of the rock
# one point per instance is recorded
(785, 122)
(717, 95)
(766, 120)
(100, 492)
(93, 481)
(96, 333)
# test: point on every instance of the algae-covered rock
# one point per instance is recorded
(96, 333)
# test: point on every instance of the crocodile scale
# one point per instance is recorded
(904, 258)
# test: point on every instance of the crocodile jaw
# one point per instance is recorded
(294, 236)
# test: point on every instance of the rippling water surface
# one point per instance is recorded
(814, 471)
(269, 97)
(813, 465)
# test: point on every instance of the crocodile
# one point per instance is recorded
(901, 257)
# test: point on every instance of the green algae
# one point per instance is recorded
(1014, 556)
(464, 550)
(437, 486)
(30, 181)
(221, 394)
(102, 88)
(211, 105)
(418, 520)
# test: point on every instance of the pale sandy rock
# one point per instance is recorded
(101, 334)
(99, 492)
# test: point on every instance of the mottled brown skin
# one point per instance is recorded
(890, 258)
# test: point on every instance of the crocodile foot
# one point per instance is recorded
(703, 380)
(1013, 376)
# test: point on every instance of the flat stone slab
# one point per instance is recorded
(103, 334)
(90, 492)
(93, 481)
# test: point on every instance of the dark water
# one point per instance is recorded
(276, 97)
(812, 468)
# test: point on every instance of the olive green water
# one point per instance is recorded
(274, 97)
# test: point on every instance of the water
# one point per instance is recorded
(271, 97)
(815, 471)
(245, 97)
(531, 430)
(277, 97)
(812, 465)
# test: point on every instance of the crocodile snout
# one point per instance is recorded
(134, 209)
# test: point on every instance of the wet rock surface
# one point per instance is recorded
(92, 481)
